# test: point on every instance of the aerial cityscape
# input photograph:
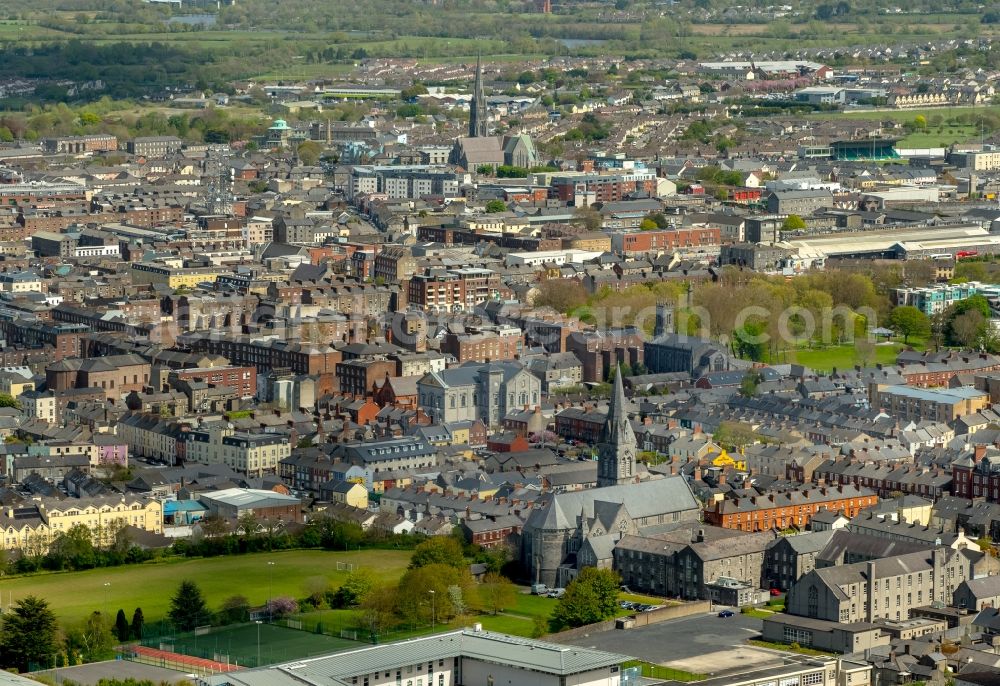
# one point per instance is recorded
(499, 343)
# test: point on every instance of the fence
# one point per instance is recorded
(245, 645)
(170, 660)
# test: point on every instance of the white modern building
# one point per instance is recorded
(458, 658)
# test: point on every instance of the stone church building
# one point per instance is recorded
(569, 531)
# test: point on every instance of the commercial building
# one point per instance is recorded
(154, 146)
(173, 277)
(75, 145)
(233, 503)
(453, 290)
(588, 188)
(664, 240)
(411, 182)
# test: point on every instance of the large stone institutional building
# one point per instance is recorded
(573, 530)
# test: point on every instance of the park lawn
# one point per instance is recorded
(841, 356)
(939, 136)
(74, 595)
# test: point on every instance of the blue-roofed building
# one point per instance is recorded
(183, 512)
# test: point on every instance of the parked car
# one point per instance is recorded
(539, 589)
(726, 613)
(775, 592)
(556, 592)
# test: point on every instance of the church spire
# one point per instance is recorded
(477, 109)
(616, 450)
(616, 409)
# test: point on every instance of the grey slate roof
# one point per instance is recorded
(671, 494)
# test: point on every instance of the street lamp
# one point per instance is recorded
(107, 588)
(270, 576)
(433, 609)
(258, 641)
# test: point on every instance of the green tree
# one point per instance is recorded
(589, 217)
(413, 91)
(793, 222)
(496, 206)
(496, 593)
(377, 612)
(6, 400)
(309, 152)
(417, 605)
(355, 588)
(122, 629)
(138, 625)
(562, 295)
(748, 386)
(74, 548)
(29, 634)
(6, 135)
(659, 219)
(443, 550)
(234, 610)
(733, 435)
(909, 321)
(748, 340)
(188, 608)
(92, 640)
(920, 121)
(647, 224)
(409, 110)
(589, 598)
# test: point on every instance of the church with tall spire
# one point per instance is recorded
(477, 109)
(616, 449)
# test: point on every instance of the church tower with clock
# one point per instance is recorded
(616, 449)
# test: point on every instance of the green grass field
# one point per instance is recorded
(74, 595)
(939, 136)
(519, 619)
(841, 357)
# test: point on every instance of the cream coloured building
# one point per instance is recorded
(250, 454)
(32, 526)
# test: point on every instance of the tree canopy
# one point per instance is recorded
(591, 597)
(188, 608)
(29, 634)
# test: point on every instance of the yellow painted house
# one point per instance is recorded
(723, 459)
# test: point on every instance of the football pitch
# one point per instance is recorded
(238, 644)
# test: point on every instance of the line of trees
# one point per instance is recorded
(81, 547)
